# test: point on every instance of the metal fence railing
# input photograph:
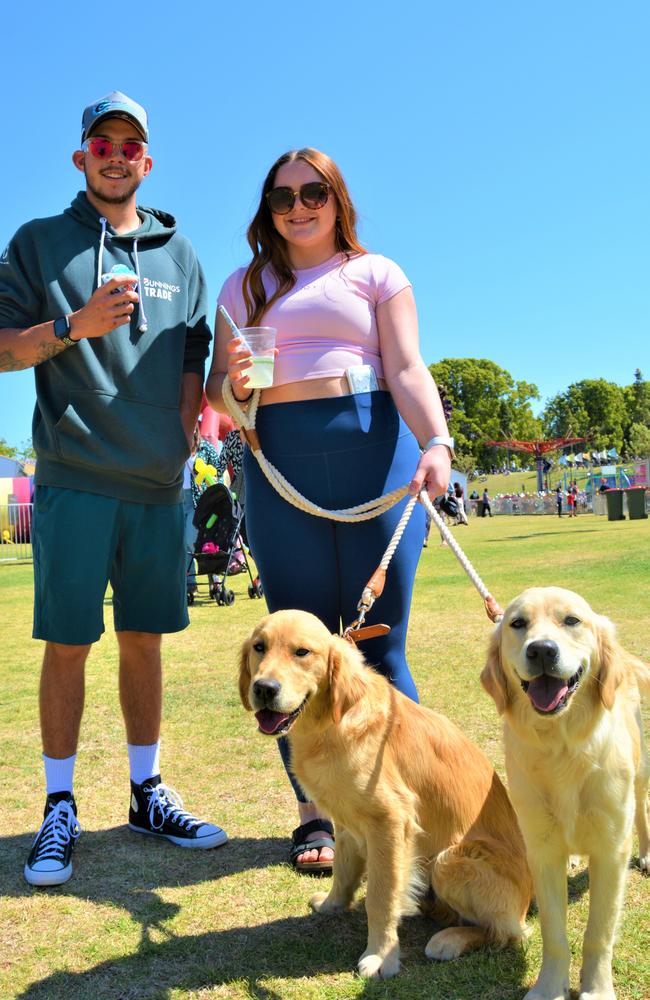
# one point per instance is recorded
(15, 532)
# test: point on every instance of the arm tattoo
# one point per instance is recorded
(10, 363)
(47, 350)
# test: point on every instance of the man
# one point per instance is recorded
(119, 373)
(485, 502)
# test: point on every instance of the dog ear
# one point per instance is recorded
(493, 676)
(245, 674)
(611, 665)
(345, 688)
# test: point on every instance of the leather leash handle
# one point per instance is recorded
(365, 632)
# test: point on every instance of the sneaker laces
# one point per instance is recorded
(170, 807)
(59, 827)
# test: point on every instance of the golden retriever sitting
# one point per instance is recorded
(414, 802)
(577, 768)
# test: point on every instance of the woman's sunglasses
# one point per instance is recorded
(102, 149)
(313, 195)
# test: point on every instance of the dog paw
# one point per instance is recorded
(375, 967)
(607, 994)
(320, 902)
(446, 945)
(644, 863)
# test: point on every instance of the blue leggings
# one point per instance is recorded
(337, 452)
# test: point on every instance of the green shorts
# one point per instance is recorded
(82, 541)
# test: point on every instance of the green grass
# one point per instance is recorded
(143, 920)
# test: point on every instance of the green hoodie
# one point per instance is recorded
(107, 411)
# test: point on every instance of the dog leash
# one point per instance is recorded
(362, 512)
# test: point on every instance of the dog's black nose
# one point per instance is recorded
(265, 690)
(544, 652)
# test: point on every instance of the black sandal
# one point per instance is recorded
(300, 844)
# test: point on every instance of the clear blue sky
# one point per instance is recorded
(499, 151)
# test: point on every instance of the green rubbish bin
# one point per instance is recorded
(614, 499)
(636, 502)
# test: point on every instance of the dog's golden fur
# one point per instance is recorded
(577, 770)
(415, 803)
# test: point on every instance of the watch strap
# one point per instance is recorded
(443, 439)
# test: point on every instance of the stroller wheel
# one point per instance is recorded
(228, 597)
(190, 597)
(255, 589)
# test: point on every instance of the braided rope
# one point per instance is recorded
(362, 512)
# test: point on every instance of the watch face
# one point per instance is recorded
(61, 327)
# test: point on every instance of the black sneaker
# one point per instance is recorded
(50, 859)
(157, 810)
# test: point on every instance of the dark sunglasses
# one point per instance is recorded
(102, 149)
(313, 195)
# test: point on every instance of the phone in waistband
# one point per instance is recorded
(361, 378)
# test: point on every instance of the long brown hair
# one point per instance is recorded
(270, 248)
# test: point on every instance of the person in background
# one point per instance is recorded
(459, 495)
(336, 306)
(485, 504)
(108, 303)
(558, 499)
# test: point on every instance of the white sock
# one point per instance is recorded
(58, 773)
(144, 761)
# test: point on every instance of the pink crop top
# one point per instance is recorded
(326, 322)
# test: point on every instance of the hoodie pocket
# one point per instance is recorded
(123, 436)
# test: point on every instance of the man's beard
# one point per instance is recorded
(118, 199)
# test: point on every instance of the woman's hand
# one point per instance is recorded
(433, 472)
(239, 360)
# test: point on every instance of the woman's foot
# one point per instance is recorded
(317, 859)
(320, 857)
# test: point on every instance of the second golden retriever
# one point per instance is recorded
(577, 768)
(415, 803)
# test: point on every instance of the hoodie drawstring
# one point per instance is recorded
(100, 256)
(142, 325)
(142, 319)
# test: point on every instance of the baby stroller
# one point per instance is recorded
(218, 519)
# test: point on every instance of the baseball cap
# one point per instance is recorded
(114, 105)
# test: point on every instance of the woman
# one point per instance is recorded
(335, 306)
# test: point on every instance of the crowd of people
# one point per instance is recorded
(109, 304)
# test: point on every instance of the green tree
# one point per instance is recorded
(25, 452)
(7, 450)
(593, 408)
(488, 405)
(639, 441)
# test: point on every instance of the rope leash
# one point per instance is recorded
(246, 419)
(362, 512)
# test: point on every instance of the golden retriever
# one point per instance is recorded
(414, 802)
(577, 768)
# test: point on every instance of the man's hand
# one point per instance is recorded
(108, 307)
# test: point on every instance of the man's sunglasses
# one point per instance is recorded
(313, 195)
(103, 149)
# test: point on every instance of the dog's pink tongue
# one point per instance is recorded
(269, 721)
(547, 692)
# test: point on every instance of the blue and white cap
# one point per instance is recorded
(114, 105)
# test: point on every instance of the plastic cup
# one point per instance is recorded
(261, 340)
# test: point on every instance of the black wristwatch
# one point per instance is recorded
(62, 331)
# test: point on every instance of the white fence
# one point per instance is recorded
(15, 532)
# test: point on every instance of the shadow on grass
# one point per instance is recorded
(296, 948)
(104, 857)
(120, 868)
(538, 534)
